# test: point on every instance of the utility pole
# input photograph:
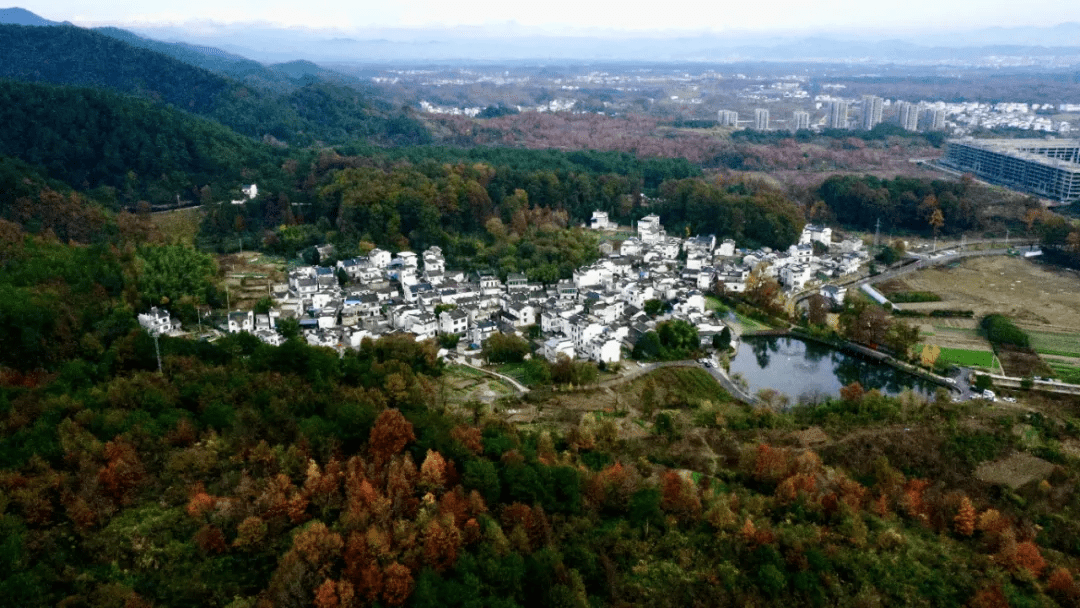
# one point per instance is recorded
(1006, 238)
(228, 304)
(877, 231)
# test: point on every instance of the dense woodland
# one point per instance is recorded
(929, 207)
(321, 110)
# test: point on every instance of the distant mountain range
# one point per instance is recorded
(236, 49)
(21, 16)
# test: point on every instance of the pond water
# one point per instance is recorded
(804, 369)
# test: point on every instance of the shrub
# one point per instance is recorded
(1000, 330)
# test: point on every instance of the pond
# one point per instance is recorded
(809, 370)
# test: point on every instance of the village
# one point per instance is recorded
(596, 315)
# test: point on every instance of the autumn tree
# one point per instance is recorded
(852, 393)
(390, 434)
(964, 521)
(433, 472)
(397, 584)
(679, 496)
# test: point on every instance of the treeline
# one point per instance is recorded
(919, 205)
(880, 132)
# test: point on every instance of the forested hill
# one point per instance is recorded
(128, 149)
(317, 111)
(281, 78)
(72, 55)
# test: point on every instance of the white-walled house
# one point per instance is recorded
(812, 233)
(604, 348)
(379, 258)
(600, 221)
(726, 249)
(558, 345)
(795, 276)
(241, 321)
(156, 321)
(453, 322)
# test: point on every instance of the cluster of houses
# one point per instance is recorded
(597, 314)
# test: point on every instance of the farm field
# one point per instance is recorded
(966, 357)
(1051, 343)
(1037, 297)
(1066, 370)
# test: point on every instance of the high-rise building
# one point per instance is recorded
(1046, 167)
(909, 116)
(761, 119)
(838, 114)
(800, 120)
(727, 118)
(872, 106)
(935, 118)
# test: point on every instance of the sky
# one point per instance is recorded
(569, 16)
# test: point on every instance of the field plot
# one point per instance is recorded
(1050, 343)
(1066, 370)
(967, 358)
(180, 226)
(1035, 296)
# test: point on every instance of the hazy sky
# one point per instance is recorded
(696, 15)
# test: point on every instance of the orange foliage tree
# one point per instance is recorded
(397, 584)
(964, 521)
(390, 434)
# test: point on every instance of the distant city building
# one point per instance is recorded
(909, 116)
(1046, 167)
(800, 120)
(761, 119)
(935, 119)
(872, 106)
(838, 114)
(727, 118)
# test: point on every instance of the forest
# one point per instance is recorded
(322, 109)
(926, 207)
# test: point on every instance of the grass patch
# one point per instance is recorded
(749, 324)
(689, 385)
(904, 297)
(1065, 372)
(179, 226)
(956, 330)
(1066, 345)
(966, 357)
(713, 303)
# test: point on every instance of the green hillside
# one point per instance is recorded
(129, 149)
(297, 104)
